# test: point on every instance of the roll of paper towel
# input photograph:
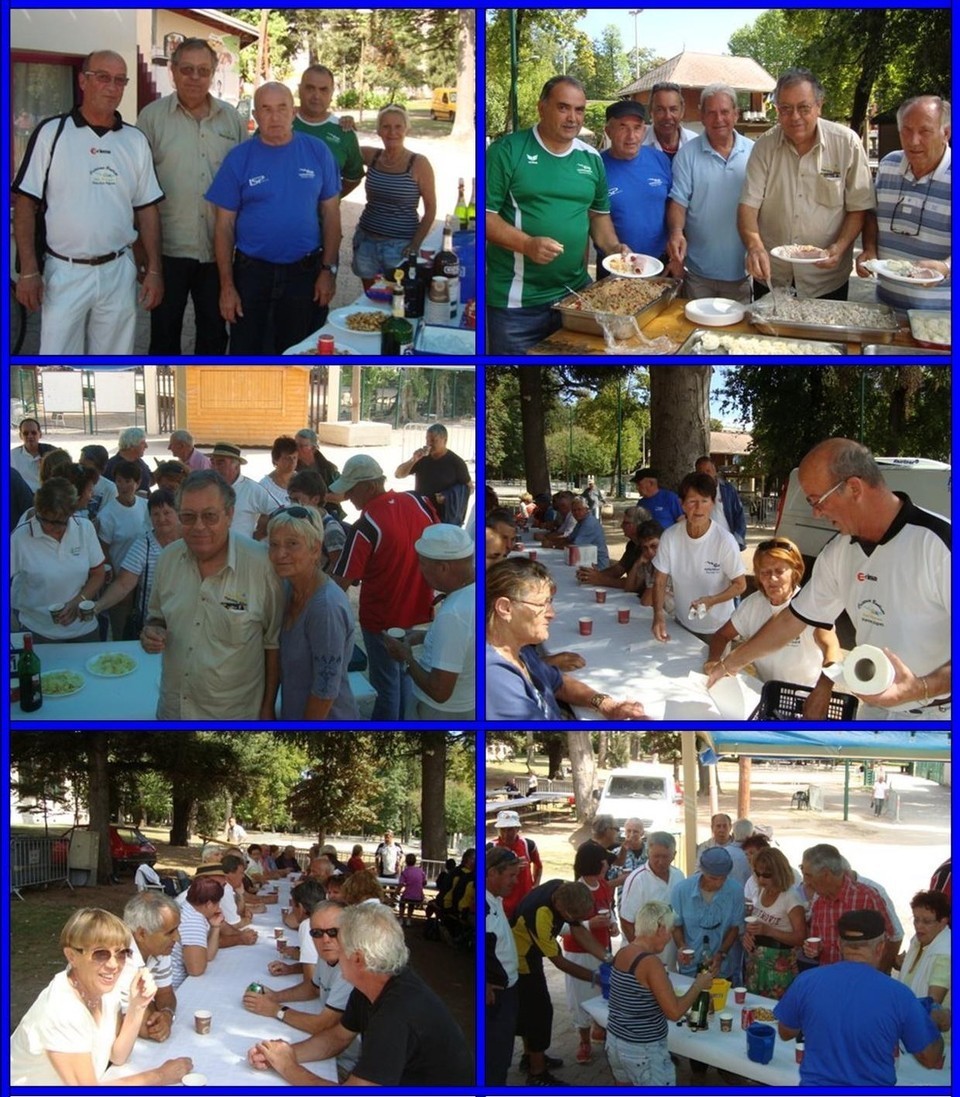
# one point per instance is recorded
(866, 670)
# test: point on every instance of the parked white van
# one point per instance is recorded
(646, 791)
(926, 482)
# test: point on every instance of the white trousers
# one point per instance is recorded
(89, 310)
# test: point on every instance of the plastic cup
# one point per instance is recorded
(202, 1022)
(55, 610)
(739, 995)
(813, 943)
(532, 554)
(623, 617)
(325, 344)
(586, 626)
(397, 633)
(751, 919)
(194, 1078)
(600, 594)
(86, 610)
(726, 1022)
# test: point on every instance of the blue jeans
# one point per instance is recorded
(182, 279)
(515, 331)
(278, 305)
(373, 255)
(387, 678)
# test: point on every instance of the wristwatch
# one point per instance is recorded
(282, 1012)
(597, 700)
(332, 267)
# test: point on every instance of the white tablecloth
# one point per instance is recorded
(221, 1055)
(728, 1050)
(625, 660)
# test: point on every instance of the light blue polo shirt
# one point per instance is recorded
(708, 187)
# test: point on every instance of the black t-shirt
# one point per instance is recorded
(146, 478)
(409, 1037)
(630, 555)
(436, 474)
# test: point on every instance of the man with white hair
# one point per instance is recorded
(410, 1038)
(444, 679)
(182, 447)
(154, 922)
(131, 446)
(854, 1017)
(380, 553)
(651, 882)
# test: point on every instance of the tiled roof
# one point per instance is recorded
(697, 70)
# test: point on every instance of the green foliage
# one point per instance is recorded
(768, 40)
(575, 452)
(461, 814)
(368, 100)
(594, 119)
(612, 72)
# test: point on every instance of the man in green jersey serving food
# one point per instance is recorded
(546, 193)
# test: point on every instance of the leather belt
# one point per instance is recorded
(96, 261)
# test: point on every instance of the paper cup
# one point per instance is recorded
(600, 594)
(55, 610)
(586, 626)
(193, 1079)
(686, 956)
(86, 611)
(726, 1022)
(202, 1022)
(532, 554)
(397, 633)
(814, 944)
(278, 932)
(623, 617)
(739, 995)
(281, 944)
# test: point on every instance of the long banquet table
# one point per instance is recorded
(222, 1054)
(625, 660)
(728, 1050)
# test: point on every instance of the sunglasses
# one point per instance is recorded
(763, 875)
(101, 956)
(333, 932)
(774, 543)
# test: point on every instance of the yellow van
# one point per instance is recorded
(444, 105)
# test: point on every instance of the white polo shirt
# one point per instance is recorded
(644, 886)
(699, 567)
(252, 501)
(160, 967)
(27, 465)
(96, 182)
(896, 593)
(799, 661)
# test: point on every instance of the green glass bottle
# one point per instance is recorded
(28, 675)
(460, 212)
(396, 334)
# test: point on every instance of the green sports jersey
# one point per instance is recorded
(342, 143)
(543, 194)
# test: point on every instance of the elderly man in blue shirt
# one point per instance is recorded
(709, 916)
(588, 531)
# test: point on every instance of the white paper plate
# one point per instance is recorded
(650, 266)
(783, 253)
(338, 319)
(92, 665)
(883, 269)
(714, 312)
(76, 686)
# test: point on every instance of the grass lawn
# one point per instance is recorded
(421, 124)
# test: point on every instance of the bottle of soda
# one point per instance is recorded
(446, 264)
(472, 209)
(28, 674)
(460, 212)
(396, 334)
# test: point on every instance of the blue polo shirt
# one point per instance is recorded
(664, 506)
(274, 191)
(708, 187)
(699, 918)
(514, 696)
(638, 191)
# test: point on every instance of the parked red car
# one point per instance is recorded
(128, 847)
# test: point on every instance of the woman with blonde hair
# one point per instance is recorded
(778, 568)
(770, 942)
(75, 1030)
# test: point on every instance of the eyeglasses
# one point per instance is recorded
(540, 607)
(333, 933)
(803, 109)
(193, 70)
(763, 875)
(777, 542)
(294, 512)
(207, 517)
(817, 504)
(926, 921)
(55, 522)
(104, 79)
(101, 956)
(902, 211)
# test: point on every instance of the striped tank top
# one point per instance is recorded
(393, 199)
(635, 1014)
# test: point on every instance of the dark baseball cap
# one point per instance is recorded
(861, 925)
(626, 108)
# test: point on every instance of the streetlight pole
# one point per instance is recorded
(636, 13)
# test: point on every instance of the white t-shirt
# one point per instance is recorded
(104, 492)
(390, 857)
(120, 527)
(642, 886)
(799, 661)
(59, 1021)
(777, 915)
(252, 501)
(160, 967)
(450, 644)
(27, 465)
(699, 567)
(194, 930)
(308, 950)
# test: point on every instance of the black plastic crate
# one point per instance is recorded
(784, 701)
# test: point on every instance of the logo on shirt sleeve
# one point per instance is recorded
(256, 180)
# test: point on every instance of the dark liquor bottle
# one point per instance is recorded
(28, 674)
(446, 264)
(396, 334)
(414, 286)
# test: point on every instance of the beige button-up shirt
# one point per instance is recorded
(187, 152)
(804, 199)
(217, 631)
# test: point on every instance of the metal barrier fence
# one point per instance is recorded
(37, 860)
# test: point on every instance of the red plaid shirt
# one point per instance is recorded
(825, 914)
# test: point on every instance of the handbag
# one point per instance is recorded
(138, 616)
(40, 222)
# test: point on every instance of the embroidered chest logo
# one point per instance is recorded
(871, 612)
(307, 173)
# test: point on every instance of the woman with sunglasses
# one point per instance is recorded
(771, 941)
(519, 609)
(778, 567)
(55, 560)
(316, 640)
(75, 1030)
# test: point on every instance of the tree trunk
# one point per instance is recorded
(743, 790)
(99, 799)
(184, 814)
(534, 436)
(433, 762)
(871, 28)
(580, 750)
(680, 420)
(555, 749)
(531, 749)
(463, 124)
(603, 737)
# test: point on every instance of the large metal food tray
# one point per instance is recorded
(895, 350)
(691, 344)
(582, 319)
(883, 331)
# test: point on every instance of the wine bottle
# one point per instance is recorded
(446, 264)
(396, 334)
(461, 208)
(28, 674)
(472, 209)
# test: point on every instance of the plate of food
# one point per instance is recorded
(799, 253)
(632, 265)
(61, 683)
(358, 320)
(111, 664)
(902, 270)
